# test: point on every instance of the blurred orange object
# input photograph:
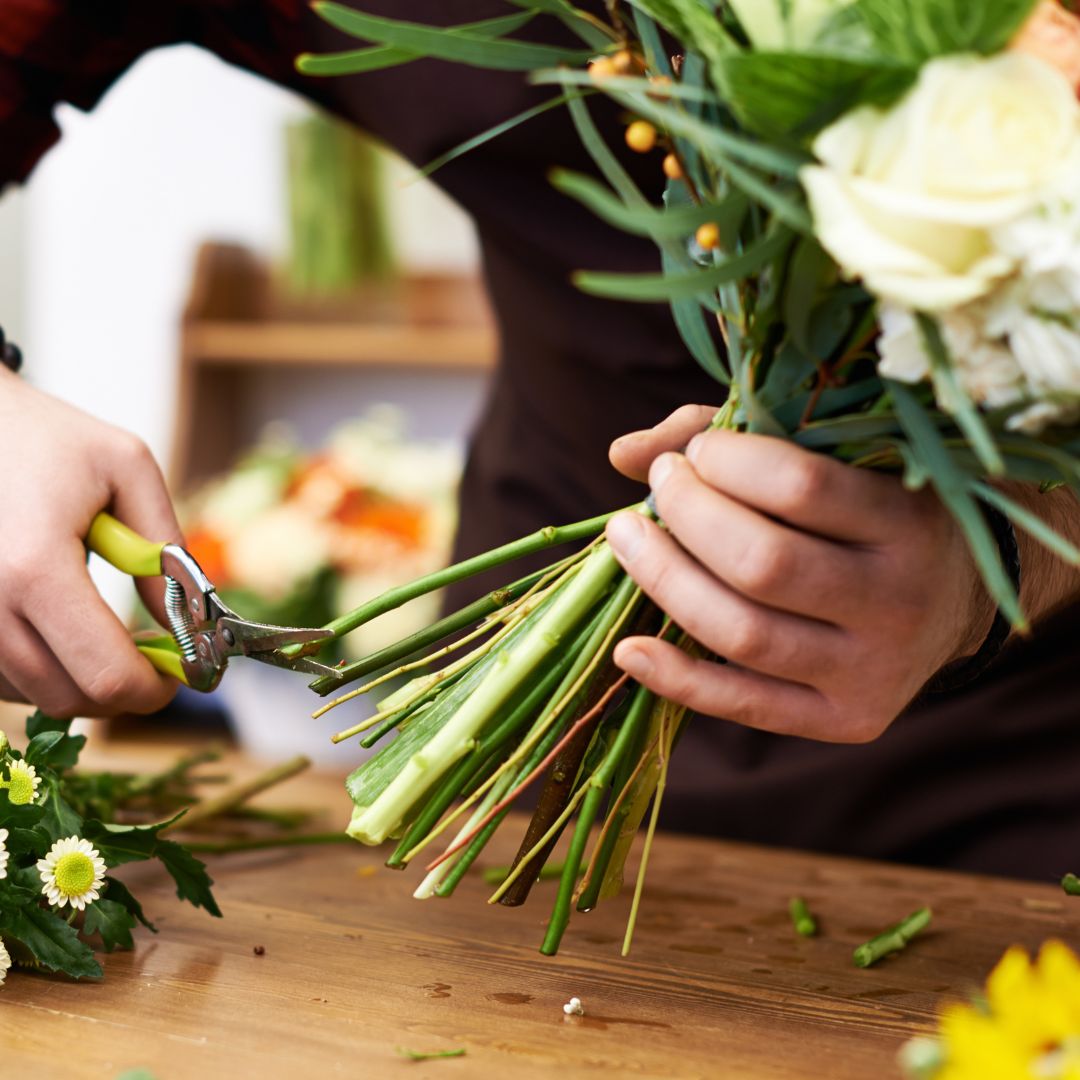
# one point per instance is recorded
(1052, 33)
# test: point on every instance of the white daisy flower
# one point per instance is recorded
(4, 853)
(5, 962)
(71, 873)
(22, 783)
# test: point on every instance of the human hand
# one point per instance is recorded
(833, 593)
(61, 647)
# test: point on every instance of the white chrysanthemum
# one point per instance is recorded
(71, 873)
(5, 962)
(4, 853)
(22, 783)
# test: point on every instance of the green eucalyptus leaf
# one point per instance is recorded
(379, 57)
(462, 46)
(690, 283)
(1031, 523)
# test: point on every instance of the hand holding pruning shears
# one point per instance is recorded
(61, 646)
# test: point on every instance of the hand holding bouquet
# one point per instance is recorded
(868, 238)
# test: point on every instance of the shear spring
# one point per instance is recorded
(180, 621)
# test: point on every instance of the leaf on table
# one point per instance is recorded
(52, 942)
(112, 921)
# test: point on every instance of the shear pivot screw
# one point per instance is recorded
(229, 637)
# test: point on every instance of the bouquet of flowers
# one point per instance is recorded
(292, 537)
(870, 236)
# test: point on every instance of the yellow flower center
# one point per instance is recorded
(74, 873)
(20, 788)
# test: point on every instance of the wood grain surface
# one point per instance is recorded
(718, 984)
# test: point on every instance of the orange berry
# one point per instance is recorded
(641, 136)
(603, 67)
(661, 85)
(673, 167)
(708, 236)
(626, 63)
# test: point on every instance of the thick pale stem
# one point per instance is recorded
(372, 824)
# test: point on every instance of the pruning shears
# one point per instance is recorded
(204, 631)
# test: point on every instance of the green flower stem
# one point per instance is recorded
(430, 1055)
(460, 868)
(549, 536)
(801, 918)
(448, 790)
(634, 728)
(593, 656)
(517, 663)
(669, 729)
(494, 875)
(228, 847)
(893, 939)
(1071, 884)
(598, 785)
(451, 624)
(202, 812)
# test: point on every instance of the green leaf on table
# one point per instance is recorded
(193, 882)
(52, 942)
(119, 844)
(918, 30)
(119, 892)
(462, 46)
(112, 921)
(379, 57)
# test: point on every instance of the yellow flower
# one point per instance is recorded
(1029, 1027)
(22, 783)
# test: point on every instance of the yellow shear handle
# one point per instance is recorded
(124, 548)
(133, 554)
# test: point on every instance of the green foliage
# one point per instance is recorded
(66, 801)
(918, 30)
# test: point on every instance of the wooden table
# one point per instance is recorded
(718, 984)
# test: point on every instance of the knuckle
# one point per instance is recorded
(764, 567)
(130, 450)
(112, 685)
(801, 483)
(747, 640)
(19, 569)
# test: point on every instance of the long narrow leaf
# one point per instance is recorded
(673, 223)
(692, 283)
(379, 57)
(966, 415)
(463, 47)
(1031, 523)
(492, 133)
(955, 490)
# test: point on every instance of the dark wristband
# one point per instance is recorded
(962, 672)
(10, 353)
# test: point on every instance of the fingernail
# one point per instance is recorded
(635, 663)
(625, 534)
(693, 448)
(661, 469)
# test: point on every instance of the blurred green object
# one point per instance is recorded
(337, 208)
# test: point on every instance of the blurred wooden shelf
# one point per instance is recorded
(239, 321)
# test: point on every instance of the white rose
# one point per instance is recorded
(907, 198)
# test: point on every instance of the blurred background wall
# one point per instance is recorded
(96, 254)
